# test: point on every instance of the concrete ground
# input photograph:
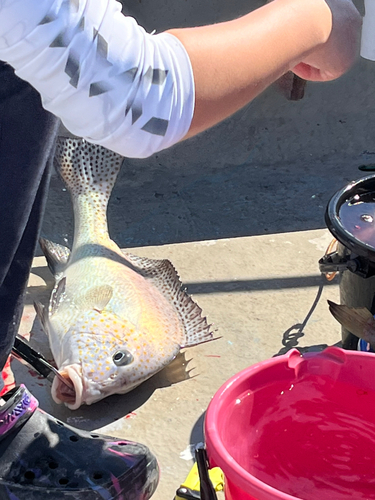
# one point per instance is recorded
(239, 210)
(257, 290)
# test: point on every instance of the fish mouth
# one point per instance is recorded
(71, 393)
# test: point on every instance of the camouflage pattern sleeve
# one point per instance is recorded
(108, 80)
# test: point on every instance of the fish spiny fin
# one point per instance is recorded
(56, 255)
(97, 297)
(86, 167)
(57, 295)
(357, 320)
(164, 276)
(42, 315)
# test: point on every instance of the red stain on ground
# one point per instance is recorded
(8, 378)
(36, 375)
(130, 415)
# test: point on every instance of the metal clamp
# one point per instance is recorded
(202, 482)
(333, 263)
(184, 493)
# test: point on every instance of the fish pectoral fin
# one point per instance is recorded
(357, 320)
(175, 372)
(56, 255)
(42, 315)
(97, 297)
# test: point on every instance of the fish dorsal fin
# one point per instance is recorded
(56, 255)
(164, 276)
(97, 297)
(57, 295)
(42, 315)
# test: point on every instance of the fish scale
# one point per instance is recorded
(114, 319)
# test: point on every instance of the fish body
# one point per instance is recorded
(114, 319)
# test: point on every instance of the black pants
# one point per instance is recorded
(27, 138)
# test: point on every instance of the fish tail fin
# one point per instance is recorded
(357, 320)
(164, 276)
(86, 167)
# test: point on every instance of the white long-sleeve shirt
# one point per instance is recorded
(108, 80)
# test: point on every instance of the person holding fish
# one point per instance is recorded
(134, 93)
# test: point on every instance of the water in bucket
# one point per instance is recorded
(357, 215)
(306, 445)
(297, 428)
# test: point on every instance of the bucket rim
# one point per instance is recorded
(335, 225)
(216, 449)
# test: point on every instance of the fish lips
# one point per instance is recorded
(61, 393)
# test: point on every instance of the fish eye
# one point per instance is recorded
(122, 358)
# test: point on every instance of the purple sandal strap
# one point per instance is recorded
(19, 407)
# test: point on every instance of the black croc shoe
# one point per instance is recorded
(42, 458)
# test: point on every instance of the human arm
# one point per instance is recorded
(234, 62)
(116, 85)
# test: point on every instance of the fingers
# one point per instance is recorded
(341, 49)
(308, 72)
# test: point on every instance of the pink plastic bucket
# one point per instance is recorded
(297, 427)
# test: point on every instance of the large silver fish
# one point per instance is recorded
(114, 319)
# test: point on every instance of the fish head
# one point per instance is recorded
(104, 355)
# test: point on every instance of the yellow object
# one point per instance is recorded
(191, 486)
